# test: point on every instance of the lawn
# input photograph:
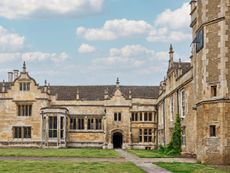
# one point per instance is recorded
(150, 154)
(66, 167)
(192, 168)
(84, 153)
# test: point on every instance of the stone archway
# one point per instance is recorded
(117, 140)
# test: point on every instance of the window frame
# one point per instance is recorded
(24, 86)
(183, 102)
(80, 123)
(73, 123)
(171, 108)
(98, 124)
(212, 131)
(53, 127)
(24, 110)
(199, 35)
(22, 132)
(213, 90)
(117, 116)
(90, 124)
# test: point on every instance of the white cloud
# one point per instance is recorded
(10, 40)
(33, 56)
(130, 57)
(41, 56)
(113, 29)
(86, 48)
(43, 8)
(178, 18)
(7, 57)
(166, 35)
(170, 26)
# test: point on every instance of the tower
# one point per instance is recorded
(211, 75)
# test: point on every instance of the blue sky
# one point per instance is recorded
(83, 42)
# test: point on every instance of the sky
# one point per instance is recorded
(92, 42)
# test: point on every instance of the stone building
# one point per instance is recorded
(116, 116)
(211, 80)
(199, 92)
(76, 116)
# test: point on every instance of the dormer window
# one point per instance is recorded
(24, 86)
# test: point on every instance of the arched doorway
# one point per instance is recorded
(117, 140)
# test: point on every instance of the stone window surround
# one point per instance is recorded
(24, 86)
(117, 116)
(85, 119)
(143, 116)
(183, 103)
(213, 123)
(148, 137)
(23, 127)
(24, 109)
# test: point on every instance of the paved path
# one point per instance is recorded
(170, 160)
(142, 163)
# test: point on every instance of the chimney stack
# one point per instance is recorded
(3, 87)
(10, 76)
(130, 94)
(179, 68)
(78, 96)
(45, 87)
(48, 89)
(106, 94)
(16, 72)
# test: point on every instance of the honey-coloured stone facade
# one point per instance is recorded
(116, 116)
(76, 116)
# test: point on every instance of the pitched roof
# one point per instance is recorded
(91, 92)
(184, 65)
(7, 85)
(97, 92)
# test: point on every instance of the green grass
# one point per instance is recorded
(84, 153)
(66, 167)
(150, 154)
(192, 168)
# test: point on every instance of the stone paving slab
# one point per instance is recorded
(146, 166)
(169, 160)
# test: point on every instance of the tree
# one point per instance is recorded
(174, 147)
(176, 141)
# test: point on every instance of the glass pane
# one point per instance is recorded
(55, 123)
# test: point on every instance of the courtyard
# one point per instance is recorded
(29, 160)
